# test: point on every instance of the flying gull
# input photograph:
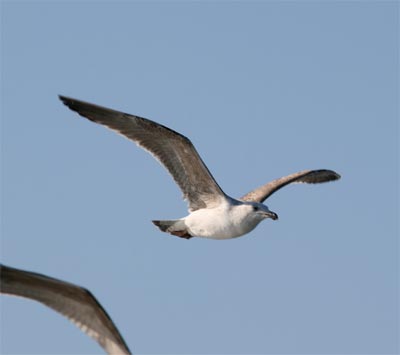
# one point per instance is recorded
(74, 302)
(213, 214)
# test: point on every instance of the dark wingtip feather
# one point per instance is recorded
(67, 101)
(63, 98)
(332, 175)
(318, 176)
(337, 176)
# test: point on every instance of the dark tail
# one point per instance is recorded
(164, 225)
(175, 227)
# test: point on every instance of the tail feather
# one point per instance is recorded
(164, 225)
(175, 227)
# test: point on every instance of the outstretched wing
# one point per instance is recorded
(173, 150)
(74, 302)
(261, 193)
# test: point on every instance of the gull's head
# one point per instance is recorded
(247, 215)
(260, 211)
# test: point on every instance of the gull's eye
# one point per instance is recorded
(255, 208)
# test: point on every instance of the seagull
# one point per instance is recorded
(212, 213)
(74, 302)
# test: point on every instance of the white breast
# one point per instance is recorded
(223, 222)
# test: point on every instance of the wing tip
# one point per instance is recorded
(82, 108)
(67, 101)
(333, 175)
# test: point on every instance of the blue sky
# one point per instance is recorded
(263, 89)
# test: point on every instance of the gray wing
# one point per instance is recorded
(170, 148)
(307, 176)
(74, 302)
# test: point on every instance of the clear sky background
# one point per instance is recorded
(263, 89)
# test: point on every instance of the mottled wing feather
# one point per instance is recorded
(261, 193)
(170, 148)
(74, 302)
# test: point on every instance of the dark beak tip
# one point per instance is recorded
(274, 216)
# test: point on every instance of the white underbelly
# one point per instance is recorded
(215, 224)
(215, 233)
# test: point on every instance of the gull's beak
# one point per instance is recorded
(272, 215)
